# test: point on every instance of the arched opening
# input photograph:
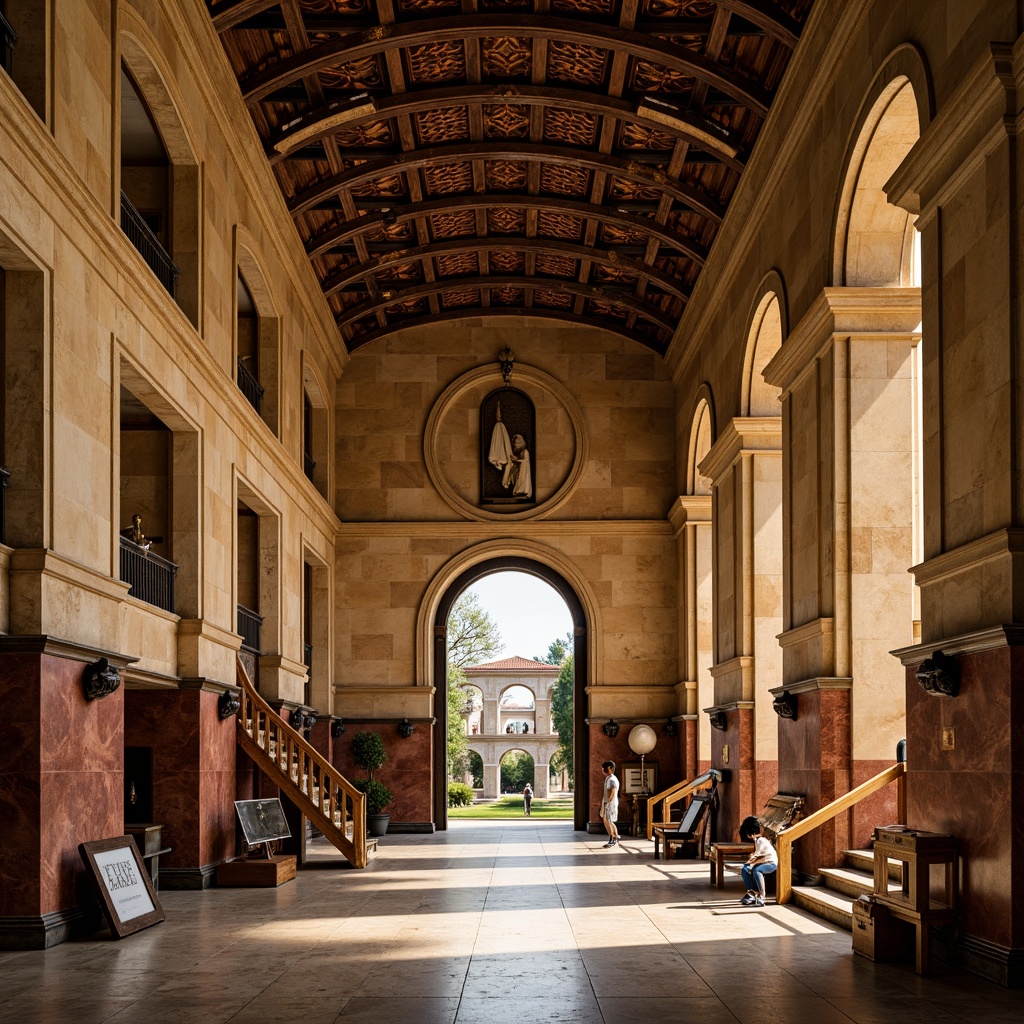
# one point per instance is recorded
(516, 769)
(316, 431)
(490, 715)
(878, 248)
(257, 338)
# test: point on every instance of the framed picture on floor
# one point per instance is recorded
(129, 900)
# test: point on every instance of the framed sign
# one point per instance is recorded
(129, 900)
(262, 821)
(634, 782)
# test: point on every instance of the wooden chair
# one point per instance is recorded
(692, 831)
(781, 811)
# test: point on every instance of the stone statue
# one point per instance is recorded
(517, 476)
(134, 532)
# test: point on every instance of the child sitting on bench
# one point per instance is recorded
(763, 861)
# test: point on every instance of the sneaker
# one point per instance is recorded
(758, 902)
(611, 842)
(614, 842)
(748, 900)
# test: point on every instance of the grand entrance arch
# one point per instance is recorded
(581, 740)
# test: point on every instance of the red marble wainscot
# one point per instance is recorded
(975, 790)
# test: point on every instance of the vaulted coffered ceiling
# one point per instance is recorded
(568, 159)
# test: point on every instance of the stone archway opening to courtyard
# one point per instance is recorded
(511, 701)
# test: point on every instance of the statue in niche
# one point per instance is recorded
(506, 433)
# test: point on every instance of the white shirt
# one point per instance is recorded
(611, 788)
(763, 848)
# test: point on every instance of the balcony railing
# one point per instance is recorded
(250, 625)
(308, 464)
(151, 577)
(8, 37)
(249, 385)
(140, 234)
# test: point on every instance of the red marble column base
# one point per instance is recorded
(974, 790)
(814, 762)
(737, 795)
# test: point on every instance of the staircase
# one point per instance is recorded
(834, 899)
(303, 774)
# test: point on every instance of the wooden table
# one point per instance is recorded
(919, 852)
(720, 852)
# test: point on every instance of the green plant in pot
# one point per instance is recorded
(369, 754)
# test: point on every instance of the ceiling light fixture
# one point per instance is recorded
(338, 112)
(709, 134)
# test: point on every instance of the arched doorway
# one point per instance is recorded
(581, 749)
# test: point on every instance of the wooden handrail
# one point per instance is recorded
(673, 795)
(784, 845)
(311, 782)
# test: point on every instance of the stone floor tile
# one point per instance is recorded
(666, 1010)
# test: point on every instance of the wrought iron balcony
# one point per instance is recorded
(8, 37)
(249, 385)
(151, 577)
(308, 464)
(250, 625)
(150, 248)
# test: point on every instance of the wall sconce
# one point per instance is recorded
(297, 720)
(669, 728)
(337, 728)
(228, 704)
(939, 675)
(505, 361)
(405, 728)
(785, 705)
(100, 679)
(718, 721)
(309, 720)
(611, 728)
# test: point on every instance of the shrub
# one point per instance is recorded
(368, 751)
(378, 796)
(460, 794)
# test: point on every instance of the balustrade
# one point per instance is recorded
(151, 577)
(141, 235)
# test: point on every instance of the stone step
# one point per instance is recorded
(864, 860)
(851, 882)
(825, 903)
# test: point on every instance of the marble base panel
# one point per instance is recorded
(47, 930)
(974, 788)
(1003, 965)
(195, 776)
(737, 797)
(407, 772)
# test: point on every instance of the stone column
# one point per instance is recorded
(963, 180)
(491, 781)
(744, 466)
(542, 716)
(848, 465)
(691, 519)
(490, 716)
(540, 779)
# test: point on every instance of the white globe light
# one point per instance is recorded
(642, 739)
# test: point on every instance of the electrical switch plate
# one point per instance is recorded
(948, 739)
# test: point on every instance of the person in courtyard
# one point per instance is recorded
(610, 802)
(527, 798)
(763, 861)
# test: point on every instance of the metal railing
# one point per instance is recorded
(151, 577)
(249, 385)
(8, 37)
(250, 625)
(308, 464)
(140, 234)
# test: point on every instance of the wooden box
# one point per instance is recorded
(147, 838)
(878, 935)
(257, 873)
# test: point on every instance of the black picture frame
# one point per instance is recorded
(262, 821)
(632, 781)
(129, 900)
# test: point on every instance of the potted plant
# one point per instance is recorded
(369, 754)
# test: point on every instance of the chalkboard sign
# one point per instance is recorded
(129, 900)
(263, 821)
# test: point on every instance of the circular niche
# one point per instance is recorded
(452, 449)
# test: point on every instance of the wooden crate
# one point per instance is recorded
(257, 873)
(878, 935)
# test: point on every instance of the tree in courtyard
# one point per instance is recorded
(476, 769)
(562, 719)
(516, 772)
(558, 650)
(460, 701)
(473, 636)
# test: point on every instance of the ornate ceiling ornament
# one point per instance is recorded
(387, 185)
(564, 181)
(506, 57)
(637, 136)
(648, 77)
(453, 225)
(573, 62)
(602, 7)
(605, 309)
(410, 307)
(376, 134)
(428, 6)
(459, 299)
(623, 188)
(506, 122)
(681, 8)
(333, 6)
(559, 225)
(507, 261)
(504, 221)
(507, 296)
(448, 179)
(443, 125)
(568, 126)
(459, 263)
(506, 176)
(436, 62)
(553, 300)
(556, 266)
(358, 74)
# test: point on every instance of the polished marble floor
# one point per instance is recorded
(488, 923)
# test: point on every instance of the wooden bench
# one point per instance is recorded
(692, 831)
(780, 812)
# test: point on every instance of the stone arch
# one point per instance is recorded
(702, 437)
(895, 111)
(767, 326)
(431, 630)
